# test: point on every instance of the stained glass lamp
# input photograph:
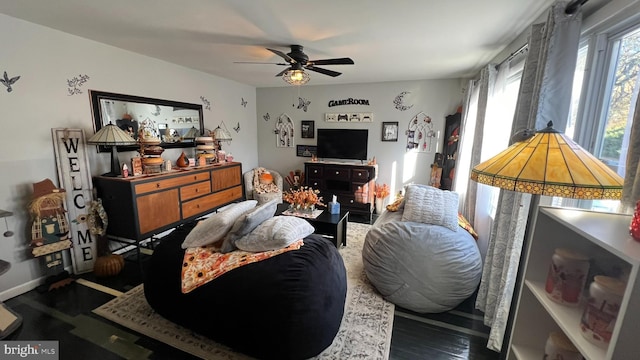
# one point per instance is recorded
(550, 163)
(111, 135)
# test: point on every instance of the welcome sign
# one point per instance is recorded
(74, 176)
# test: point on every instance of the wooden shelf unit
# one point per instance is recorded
(142, 206)
(605, 238)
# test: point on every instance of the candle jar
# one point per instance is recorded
(599, 316)
(567, 276)
(558, 346)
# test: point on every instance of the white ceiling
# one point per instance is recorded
(388, 40)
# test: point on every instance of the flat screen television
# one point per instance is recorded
(342, 144)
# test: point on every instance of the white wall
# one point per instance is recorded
(45, 59)
(397, 167)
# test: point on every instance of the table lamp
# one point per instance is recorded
(111, 135)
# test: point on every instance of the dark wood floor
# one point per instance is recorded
(65, 315)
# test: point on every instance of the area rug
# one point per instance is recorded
(365, 332)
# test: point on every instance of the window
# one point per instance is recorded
(602, 124)
(621, 91)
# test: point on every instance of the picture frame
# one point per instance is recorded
(348, 117)
(307, 129)
(306, 150)
(390, 131)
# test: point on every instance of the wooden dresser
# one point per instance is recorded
(139, 207)
(353, 184)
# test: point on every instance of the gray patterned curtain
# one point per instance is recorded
(631, 190)
(544, 95)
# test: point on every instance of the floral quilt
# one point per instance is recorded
(203, 264)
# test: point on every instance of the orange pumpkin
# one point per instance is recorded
(108, 265)
(266, 178)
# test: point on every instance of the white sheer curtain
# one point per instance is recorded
(470, 111)
(471, 137)
(545, 94)
(497, 128)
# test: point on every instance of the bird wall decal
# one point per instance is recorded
(6, 81)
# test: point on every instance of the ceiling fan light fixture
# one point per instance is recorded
(296, 77)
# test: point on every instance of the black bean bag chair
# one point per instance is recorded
(289, 306)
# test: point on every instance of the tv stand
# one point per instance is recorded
(353, 184)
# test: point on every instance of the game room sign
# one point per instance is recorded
(349, 101)
(74, 176)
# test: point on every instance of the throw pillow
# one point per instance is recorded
(465, 224)
(275, 233)
(216, 226)
(398, 204)
(430, 205)
(247, 222)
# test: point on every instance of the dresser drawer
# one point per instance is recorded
(337, 173)
(157, 210)
(171, 182)
(361, 192)
(352, 203)
(360, 174)
(315, 183)
(206, 203)
(314, 171)
(223, 178)
(192, 191)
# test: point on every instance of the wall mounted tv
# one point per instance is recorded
(342, 144)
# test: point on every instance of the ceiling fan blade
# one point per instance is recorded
(323, 71)
(337, 61)
(288, 58)
(256, 62)
(282, 72)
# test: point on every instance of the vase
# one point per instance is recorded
(634, 228)
(302, 209)
(379, 205)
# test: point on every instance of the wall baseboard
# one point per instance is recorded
(26, 287)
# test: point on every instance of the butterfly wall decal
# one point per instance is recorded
(8, 82)
(206, 102)
(244, 102)
(303, 103)
(237, 128)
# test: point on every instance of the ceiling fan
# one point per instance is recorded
(297, 61)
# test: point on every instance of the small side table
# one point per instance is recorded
(333, 226)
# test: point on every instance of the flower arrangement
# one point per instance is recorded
(381, 191)
(303, 198)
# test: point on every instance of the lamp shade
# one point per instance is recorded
(550, 163)
(296, 77)
(220, 134)
(111, 135)
(192, 133)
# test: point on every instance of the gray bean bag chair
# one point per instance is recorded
(421, 267)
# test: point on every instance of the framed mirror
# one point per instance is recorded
(175, 123)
